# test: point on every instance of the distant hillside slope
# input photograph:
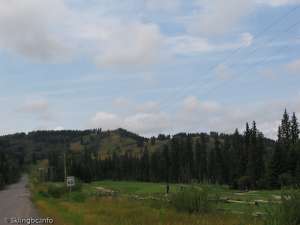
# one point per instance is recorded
(37, 145)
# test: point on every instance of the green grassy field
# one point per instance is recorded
(139, 203)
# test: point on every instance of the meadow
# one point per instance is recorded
(139, 203)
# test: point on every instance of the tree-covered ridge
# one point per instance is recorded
(241, 160)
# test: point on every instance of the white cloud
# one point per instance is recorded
(192, 44)
(29, 28)
(59, 128)
(129, 44)
(276, 3)
(215, 17)
(106, 120)
(142, 123)
(147, 123)
(54, 31)
(196, 115)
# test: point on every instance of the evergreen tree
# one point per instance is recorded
(294, 130)
(260, 165)
(286, 130)
(252, 154)
(189, 158)
(175, 158)
(226, 162)
(201, 158)
(166, 163)
(275, 167)
(145, 167)
(212, 166)
(218, 161)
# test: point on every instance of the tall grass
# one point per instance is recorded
(192, 200)
(286, 213)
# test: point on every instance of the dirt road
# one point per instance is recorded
(15, 202)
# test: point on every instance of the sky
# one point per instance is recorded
(149, 66)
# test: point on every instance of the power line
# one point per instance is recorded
(225, 59)
(252, 52)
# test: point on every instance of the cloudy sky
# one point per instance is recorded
(150, 66)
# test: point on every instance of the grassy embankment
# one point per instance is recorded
(138, 203)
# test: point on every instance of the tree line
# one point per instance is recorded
(245, 160)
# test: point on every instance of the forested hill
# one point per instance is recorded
(242, 160)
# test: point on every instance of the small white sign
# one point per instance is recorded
(70, 181)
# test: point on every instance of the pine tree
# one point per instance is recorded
(275, 167)
(286, 130)
(201, 158)
(219, 161)
(237, 160)
(279, 135)
(175, 160)
(226, 161)
(212, 166)
(166, 162)
(191, 157)
(260, 166)
(198, 157)
(294, 130)
(247, 136)
(252, 154)
(145, 167)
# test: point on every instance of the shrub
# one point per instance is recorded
(192, 200)
(56, 190)
(287, 212)
(44, 194)
(244, 183)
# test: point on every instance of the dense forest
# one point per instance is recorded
(245, 160)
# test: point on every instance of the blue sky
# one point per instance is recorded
(148, 66)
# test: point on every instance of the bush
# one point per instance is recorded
(244, 183)
(192, 200)
(56, 190)
(44, 194)
(286, 213)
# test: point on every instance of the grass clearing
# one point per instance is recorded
(139, 203)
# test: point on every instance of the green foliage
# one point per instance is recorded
(286, 213)
(244, 182)
(285, 180)
(247, 161)
(77, 196)
(56, 190)
(192, 200)
(78, 185)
